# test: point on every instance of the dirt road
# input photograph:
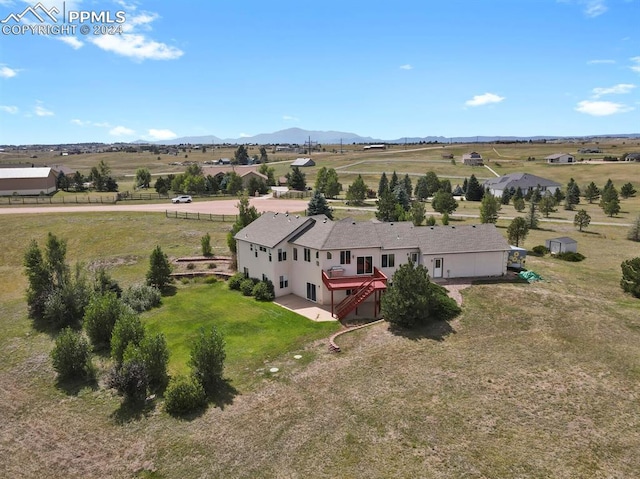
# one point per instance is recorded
(222, 207)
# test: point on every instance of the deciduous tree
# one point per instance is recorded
(207, 359)
(582, 219)
(517, 231)
(357, 192)
(444, 202)
(489, 208)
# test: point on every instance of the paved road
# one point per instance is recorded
(221, 207)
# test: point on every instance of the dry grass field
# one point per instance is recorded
(530, 381)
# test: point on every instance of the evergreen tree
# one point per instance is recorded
(39, 279)
(627, 191)
(547, 205)
(246, 214)
(518, 204)
(264, 157)
(406, 183)
(591, 192)
(357, 192)
(241, 156)
(387, 210)
(207, 359)
(159, 274)
(609, 201)
(417, 213)
(518, 194)
(296, 179)
(332, 185)
(422, 189)
(573, 195)
(630, 281)
(433, 183)
(474, 190)
(489, 208)
(582, 219)
(269, 172)
(505, 199)
(393, 183)
(383, 185)
(233, 183)
(558, 195)
(517, 231)
(444, 202)
(318, 206)
(445, 185)
(402, 198)
(532, 216)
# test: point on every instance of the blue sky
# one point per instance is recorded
(388, 70)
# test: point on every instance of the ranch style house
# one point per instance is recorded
(345, 263)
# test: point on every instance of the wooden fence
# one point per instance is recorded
(184, 215)
(57, 200)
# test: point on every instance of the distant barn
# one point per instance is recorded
(303, 162)
(564, 244)
(472, 159)
(27, 181)
(375, 147)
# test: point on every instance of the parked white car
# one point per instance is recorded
(181, 199)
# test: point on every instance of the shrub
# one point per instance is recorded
(570, 256)
(71, 355)
(445, 219)
(246, 286)
(142, 297)
(191, 266)
(630, 281)
(211, 266)
(539, 250)
(100, 317)
(431, 221)
(263, 291)
(235, 280)
(130, 380)
(205, 242)
(442, 305)
(127, 330)
(210, 280)
(207, 358)
(184, 394)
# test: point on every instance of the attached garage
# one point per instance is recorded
(27, 181)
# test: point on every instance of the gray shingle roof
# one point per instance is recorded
(522, 180)
(272, 228)
(460, 239)
(563, 240)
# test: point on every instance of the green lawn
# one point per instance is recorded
(255, 332)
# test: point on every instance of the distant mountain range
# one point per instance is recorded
(300, 137)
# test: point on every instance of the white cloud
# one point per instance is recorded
(602, 108)
(636, 66)
(406, 67)
(6, 72)
(121, 131)
(161, 134)
(73, 42)
(77, 122)
(39, 110)
(486, 99)
(244, 135)
(619, 89)
(97, 124)
(601, 62)
(143, 19)
(595, 8)
(9, 109)
(136, 46)
(290, 118)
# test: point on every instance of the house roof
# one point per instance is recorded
(563, 240)
(273, 228)
(473, 154)
(320, 233)
(21, 173)
(303, 162)
(515, 180)
(461, 239)
(555, 156)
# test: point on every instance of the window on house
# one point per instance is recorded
(364, 265)
(329, 255)
(414, 258)
(295, 254)
(317, 254)
(307, 255)
(345, 257)
(269, 256)
(284, 282)
(388, 260)
(282, 255)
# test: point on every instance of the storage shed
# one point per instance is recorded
(563, 244)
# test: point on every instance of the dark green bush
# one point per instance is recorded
(246, 286)
(263, 291)
(131, 380)
(210, 280)
(184, 394)
(235, 280)
(431, 221)
(71, 355)
(570, 256)
(191, 266)
(539, 250)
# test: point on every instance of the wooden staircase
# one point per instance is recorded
(352, 301)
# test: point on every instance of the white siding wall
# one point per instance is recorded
(303, 272)
(257, 262)
(467, 265)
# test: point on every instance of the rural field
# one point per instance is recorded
(530, 381)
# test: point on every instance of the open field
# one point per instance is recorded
(531, 381)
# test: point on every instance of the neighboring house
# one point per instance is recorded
(245, 172)
(223, 161)
(632, 157)
(563, 244)
(560, 158)
(303, 162)
(524, 181)
(472, 159)
(345, 263)
(589, 150)
(27, 181)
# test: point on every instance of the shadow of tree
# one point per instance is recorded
(133, 411)
(72, 387)
(435, 330)
(224, 395)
